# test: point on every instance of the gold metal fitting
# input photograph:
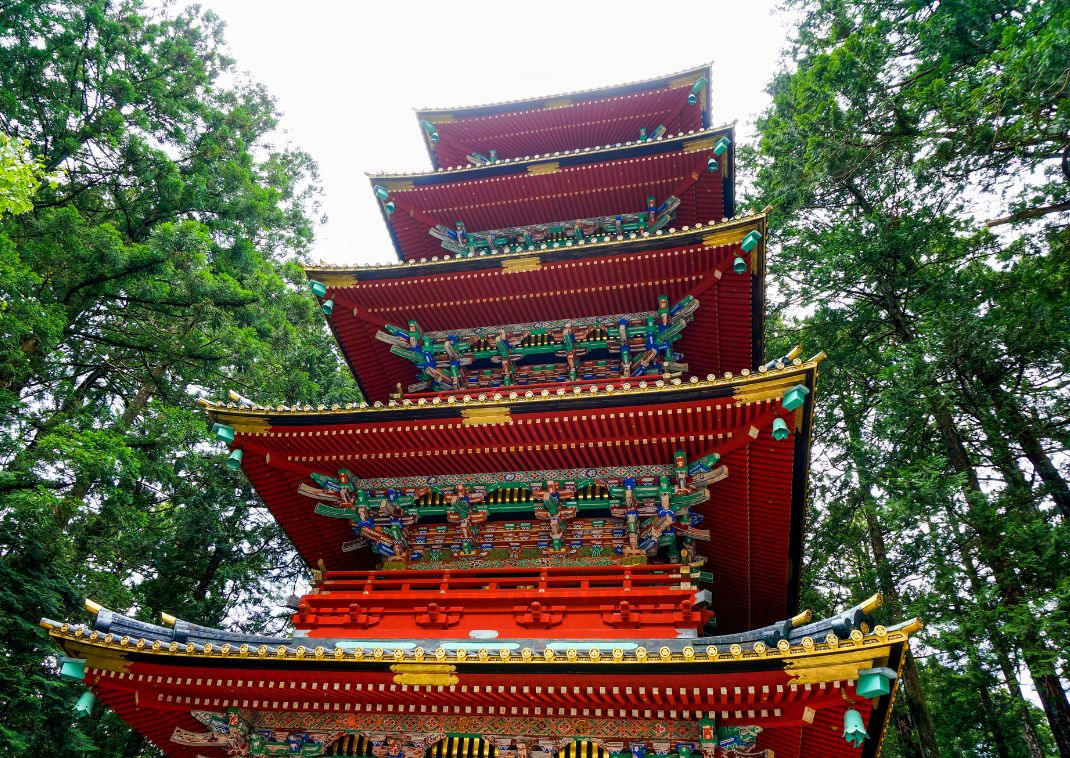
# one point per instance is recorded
(873, 603)
(801, 618)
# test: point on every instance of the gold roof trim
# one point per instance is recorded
(333, 279)
(775, 388)
(256, 417)
(519, 265)
(684, 81)
(382, 177)
(724, 232)
(538, 169)
(397, 185)
(809, 661)
(731, 236)
(698, 145)
(485, 416)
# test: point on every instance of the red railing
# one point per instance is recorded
(562, 602)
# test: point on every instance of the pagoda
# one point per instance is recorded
(568, 517)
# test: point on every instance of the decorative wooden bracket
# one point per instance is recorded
(686, 613)
(623, 616)
(628, 615)
(435, 616)
(305, 615)
(362, 618)
(538, 616)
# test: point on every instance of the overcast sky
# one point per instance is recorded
(347, 76)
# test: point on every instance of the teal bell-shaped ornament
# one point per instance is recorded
(780, 429)
(234, 460)
(795, 397)
(696, 89)
(327, 307)
(739, 265)
(84, 706)
(223, 433)
(72, 668)
(874, 682)
(854, 729)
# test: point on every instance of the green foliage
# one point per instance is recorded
(896, 128)
(19, 176)
(160, 265)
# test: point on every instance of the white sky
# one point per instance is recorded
(347, 76)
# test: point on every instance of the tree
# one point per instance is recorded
(896, 130)
(159, 267)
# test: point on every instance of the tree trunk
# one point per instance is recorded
(200, 592)
(1038, 659)
(1035, 651)
(1002, 650)
(983, 676)
(1021, 430)
(922, 741)
(80, 490)
(925, 735)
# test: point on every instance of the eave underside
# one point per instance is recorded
(726, 334)
(591, 123)
(560, 189)
(800, 710)
(753, 514)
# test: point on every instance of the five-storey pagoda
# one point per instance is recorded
(568, 518)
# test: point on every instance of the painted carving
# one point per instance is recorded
(476, 359)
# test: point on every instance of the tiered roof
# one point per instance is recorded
(561, 187)
(558, 282)
(602, 116)
(791, 680)
(537, 550)
(756, 511)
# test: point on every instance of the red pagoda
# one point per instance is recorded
(568, 517)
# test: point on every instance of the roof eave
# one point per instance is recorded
(573, 157)
(259, 418)
(597, 93)
(335, 276)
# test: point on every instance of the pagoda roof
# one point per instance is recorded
(561, 186)
(569, 120)
(554, 282)
(160, 678)
(756, 513)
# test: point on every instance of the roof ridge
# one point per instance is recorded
(705, 67)
(549, 156)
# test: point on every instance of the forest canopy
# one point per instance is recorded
(917, 156)
(151, 227)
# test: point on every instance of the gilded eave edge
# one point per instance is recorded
(802, 661)
(347, 275)
(385, 177)
(749, 386)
